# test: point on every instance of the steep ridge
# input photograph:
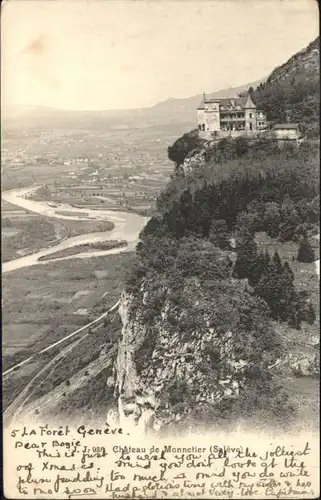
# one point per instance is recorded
(196, 341)
(200, 341)
(292, 91)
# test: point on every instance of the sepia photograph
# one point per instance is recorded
(160, 248)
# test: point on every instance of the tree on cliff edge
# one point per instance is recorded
(182, 146)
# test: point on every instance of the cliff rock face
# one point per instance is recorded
(134, 405)
(159, 378)
(193, 161)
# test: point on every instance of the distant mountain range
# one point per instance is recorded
(290, 92)
(172, 110)
(184, 109)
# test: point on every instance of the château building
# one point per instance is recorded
(229, 116)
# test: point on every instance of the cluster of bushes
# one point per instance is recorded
(92, 398)
(265, 190)
(183, 146)
(273, 282)
(221, 151)
(287, 179)
(194, 278)
(286, 221)
(295, 99)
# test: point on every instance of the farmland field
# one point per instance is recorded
(40, 308)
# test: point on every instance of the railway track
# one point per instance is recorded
(55, 344)
(20, 401)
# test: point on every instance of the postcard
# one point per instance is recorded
(160, 249)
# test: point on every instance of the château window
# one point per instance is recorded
(250, 115)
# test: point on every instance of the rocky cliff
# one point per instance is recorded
(143, 392)
(183, 361)
(197, 343)
(161, 379)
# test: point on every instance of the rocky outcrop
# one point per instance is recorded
(159, 377)
(134, 405)
(304, 365)
(197, 158)
(193, 161)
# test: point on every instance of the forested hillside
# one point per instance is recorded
(210, 310)
(200, 275)
(239, 193)
(292, 91)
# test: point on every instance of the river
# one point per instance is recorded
(127, 227)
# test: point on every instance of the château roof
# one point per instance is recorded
(249, 102)
(227, 101)
(202, 105)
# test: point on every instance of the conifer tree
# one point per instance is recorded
(246, 262)
(270, 288)
(219, 234)
(260, 268)
(288, 275)
(277, 262)
(310, 314)
(294, 320)
(306, 253)
(266, 260)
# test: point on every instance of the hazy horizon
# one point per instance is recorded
(119, 55)
(54, 108)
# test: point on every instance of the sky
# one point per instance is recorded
(114, 54)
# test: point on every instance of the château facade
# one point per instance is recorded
(229, 116)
